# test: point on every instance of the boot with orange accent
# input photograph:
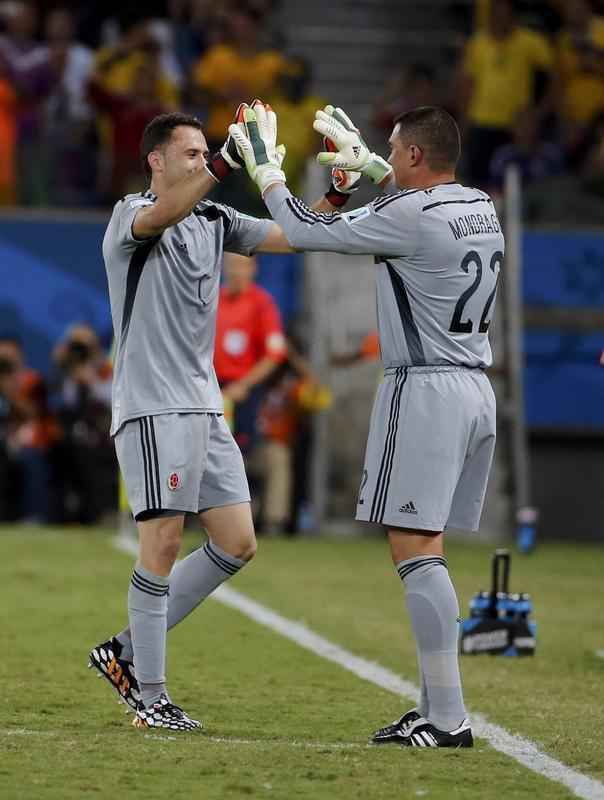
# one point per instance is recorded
(105, 657)
(164, 714)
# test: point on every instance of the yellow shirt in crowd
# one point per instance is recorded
(583, 94)
(296, 132)
(224, 70)
(120, 77)
(502, 71)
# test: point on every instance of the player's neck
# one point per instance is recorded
(428, 181)
(155, 187)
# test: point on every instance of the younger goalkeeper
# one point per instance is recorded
(163, 252)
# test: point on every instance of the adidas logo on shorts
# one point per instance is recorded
(408, 508)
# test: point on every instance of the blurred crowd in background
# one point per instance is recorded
(528, 89)
(73, 108)
(78, 84)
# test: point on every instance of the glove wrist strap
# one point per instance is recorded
(218, 167)
(336, 198)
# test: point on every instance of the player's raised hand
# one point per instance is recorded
(227, 158)
(343, 183)
(256, 145)
(351, 152)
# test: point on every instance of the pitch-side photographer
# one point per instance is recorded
(27, 434)
(86, 466)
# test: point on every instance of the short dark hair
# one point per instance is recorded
(435, 132)
(159, 131)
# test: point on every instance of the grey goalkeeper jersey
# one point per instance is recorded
(164, 295)
(438, 255)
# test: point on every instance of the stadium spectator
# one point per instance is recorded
(188, 25)
(194, 26)
(8, 138)
(27, 433)
(536, 159)
(249, 344)
(128, 112)
(130, 69)
(236, 69)
(117, 65)
(232, 70)
(580, 54)
(70, 127)
(413, 86)
(592, 166)
(32, 77)
(505, 69)
(543, 15)
(296, 106)
(368, 350)
(87, 473)
(10, 477)
(293, 394)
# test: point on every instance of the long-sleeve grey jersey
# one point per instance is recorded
(438, 255)
(164, 296)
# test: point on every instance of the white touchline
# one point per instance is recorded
(517, 747)
(600, 653)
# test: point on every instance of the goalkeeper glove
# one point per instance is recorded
(352, 151)
(256, 145)
(227, 158)
(343, 183)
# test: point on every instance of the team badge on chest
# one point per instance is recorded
(174, 481)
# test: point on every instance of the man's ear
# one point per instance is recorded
(416, 155)
(154, 160)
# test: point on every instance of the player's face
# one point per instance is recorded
(184, 154)
(403, 158)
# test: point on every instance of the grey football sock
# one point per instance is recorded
(423, 706)
(434, 612)
(147, 612)
(191, 581)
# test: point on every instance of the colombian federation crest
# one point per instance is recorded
(174, 481)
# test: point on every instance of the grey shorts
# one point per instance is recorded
(429, 451)
(180, 462)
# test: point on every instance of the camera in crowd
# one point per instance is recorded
(7, 367)
(76, 354)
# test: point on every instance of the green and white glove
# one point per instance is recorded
(352, 151)
(257, 146)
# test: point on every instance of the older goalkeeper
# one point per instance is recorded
(438, 249)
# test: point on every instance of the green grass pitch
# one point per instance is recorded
(280, 722)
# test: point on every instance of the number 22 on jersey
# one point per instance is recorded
(481, 284)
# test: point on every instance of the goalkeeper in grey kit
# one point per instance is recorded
(438, 251)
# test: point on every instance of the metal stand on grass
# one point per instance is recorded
(526, 514)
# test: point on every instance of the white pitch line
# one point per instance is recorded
(600, 653)
(291, 743)
(160, 737)
(517, 747)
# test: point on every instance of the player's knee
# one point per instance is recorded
(169, 550)
(169, 543)
(248, 549)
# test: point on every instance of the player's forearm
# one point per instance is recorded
(261, 371)
(174, 204)
(302, 228)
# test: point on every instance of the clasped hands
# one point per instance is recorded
(252, 142)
